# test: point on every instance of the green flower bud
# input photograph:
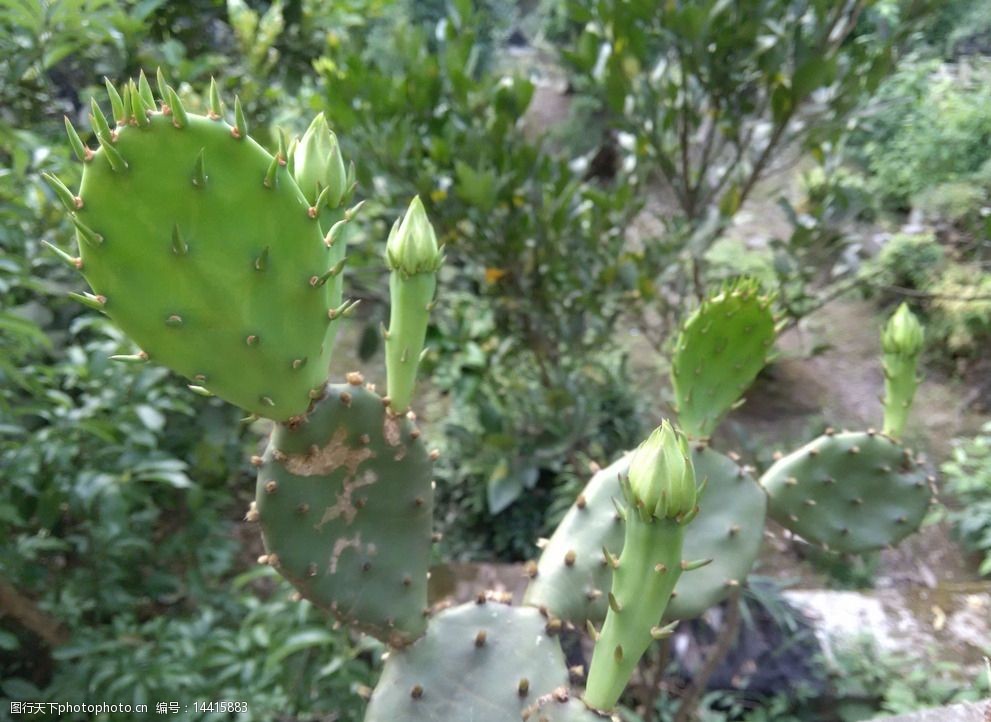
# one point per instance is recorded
(318, 164)
(412, 246)
(661, 474)
(903, 334)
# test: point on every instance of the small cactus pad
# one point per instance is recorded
(721, 348)
(485, 662)
(561, 706)
(728, 530)
(345, 503)
(199, 245)
(573, 576)
(852, 491)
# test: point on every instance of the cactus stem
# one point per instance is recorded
(71, 261)
(179, 117)
(199, 172)
(88, 299)
(216, 107)
(91, 237)
(240, 129)
(83, 153)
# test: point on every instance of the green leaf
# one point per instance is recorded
(502, 488)
(298, 642)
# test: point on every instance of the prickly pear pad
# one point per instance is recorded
(484, 662)
(721, 348)
(206, 266)
(853, 492)
(345, 503)
(728, 530)
(573, 576)
(560, 706)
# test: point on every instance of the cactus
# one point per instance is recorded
(199, 245)
(483, 661)
(852, 492)
(345, 503)
(224, 263)
(722, 347)
(901, 341)
(572, 575)
(660, 495)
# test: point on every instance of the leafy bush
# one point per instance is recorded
(932, 125)
(908, 260)
(961, 309)
(968, 476)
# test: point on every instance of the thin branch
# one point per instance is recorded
(26, 613)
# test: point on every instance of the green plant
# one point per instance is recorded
(344, 493)
(711, 94)
(968, 476)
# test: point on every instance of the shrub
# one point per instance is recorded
(968, 476)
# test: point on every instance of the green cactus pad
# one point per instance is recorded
(484, 662)
(345, 502)
(853, 492)
(572, 576)
(560, 706)
(721, 348)
(199, 245)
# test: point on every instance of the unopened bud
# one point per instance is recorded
(903, 334)
(661, 474)
(412, 246)
(318, 164)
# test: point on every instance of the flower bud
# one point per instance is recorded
(903, 334)
(662, 477)
(318, 164)
(412, 246)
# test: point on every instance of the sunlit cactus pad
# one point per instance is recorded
(483, 661)
(852, 491)
(572, 577)
(345, 503)
(721, 348)
(198, 244)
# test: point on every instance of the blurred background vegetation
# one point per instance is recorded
(593, 166)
